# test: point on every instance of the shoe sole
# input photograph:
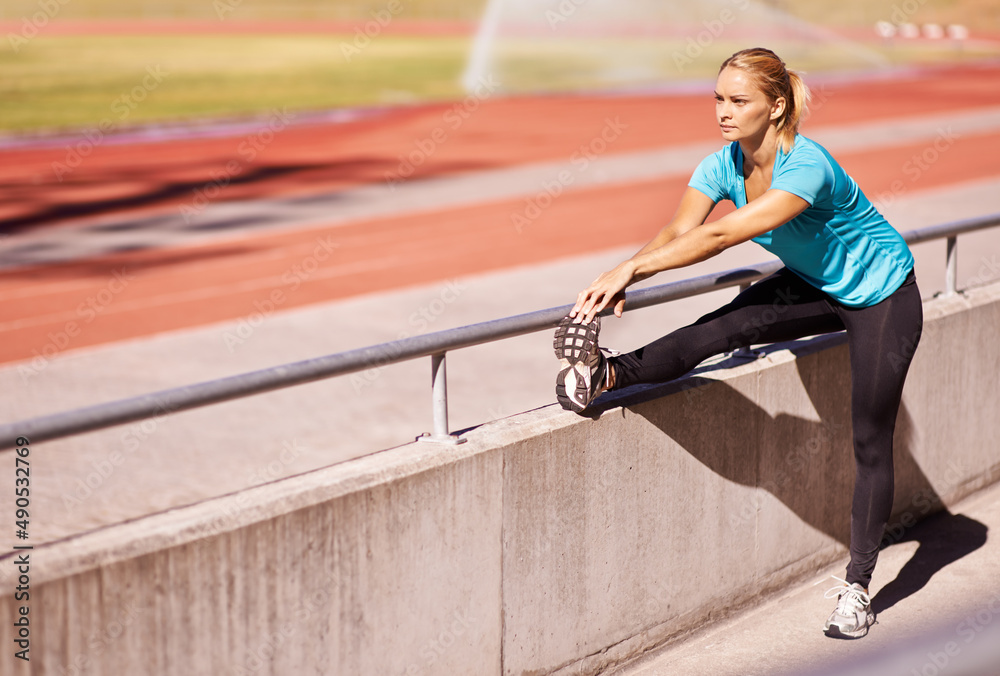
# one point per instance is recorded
(574, 343)
(835, 632)
(579, 387)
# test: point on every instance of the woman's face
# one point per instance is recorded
(741, 109)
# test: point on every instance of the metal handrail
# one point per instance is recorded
(434, 345)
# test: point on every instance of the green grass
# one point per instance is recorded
(979, 14)
(77, 82)
(72, 82)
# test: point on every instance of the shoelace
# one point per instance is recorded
(849, 596)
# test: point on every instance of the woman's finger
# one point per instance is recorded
(581, 298)
(592, 300)
(596, 304)
(584, 315)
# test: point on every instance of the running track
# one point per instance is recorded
(51, 308)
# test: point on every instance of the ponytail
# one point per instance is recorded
(796, 110)
(776, 81)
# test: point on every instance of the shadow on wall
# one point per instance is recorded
(718, 438)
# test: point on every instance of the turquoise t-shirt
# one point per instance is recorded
(840, 243)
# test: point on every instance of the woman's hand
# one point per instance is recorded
(607, 289)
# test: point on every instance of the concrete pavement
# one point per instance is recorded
(937, 594)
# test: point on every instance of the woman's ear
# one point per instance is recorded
(778, 108)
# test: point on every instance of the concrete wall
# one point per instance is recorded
(548, 543)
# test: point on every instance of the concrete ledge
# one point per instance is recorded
(550, 543)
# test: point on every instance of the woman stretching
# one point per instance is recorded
(845, 268)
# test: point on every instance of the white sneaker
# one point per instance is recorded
(583, 371)
(853, 615)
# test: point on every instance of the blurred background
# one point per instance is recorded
(64, 59)
(195, 189)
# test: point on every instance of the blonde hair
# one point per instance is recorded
(773, 78)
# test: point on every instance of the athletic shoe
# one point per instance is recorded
(583, 370)
(853, 614)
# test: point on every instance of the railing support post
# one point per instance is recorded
(439, 400)
(951, 270)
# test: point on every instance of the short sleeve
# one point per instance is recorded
(805, 172)
(709, 178)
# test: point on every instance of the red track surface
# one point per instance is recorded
(48, 309)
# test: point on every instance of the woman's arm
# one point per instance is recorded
(698, 243)
(694, 208)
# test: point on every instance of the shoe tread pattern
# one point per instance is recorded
(576, 342)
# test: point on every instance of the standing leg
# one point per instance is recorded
(882, 339)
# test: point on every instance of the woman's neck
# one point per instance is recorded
(760, 151)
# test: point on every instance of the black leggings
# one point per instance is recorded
(881, 340)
